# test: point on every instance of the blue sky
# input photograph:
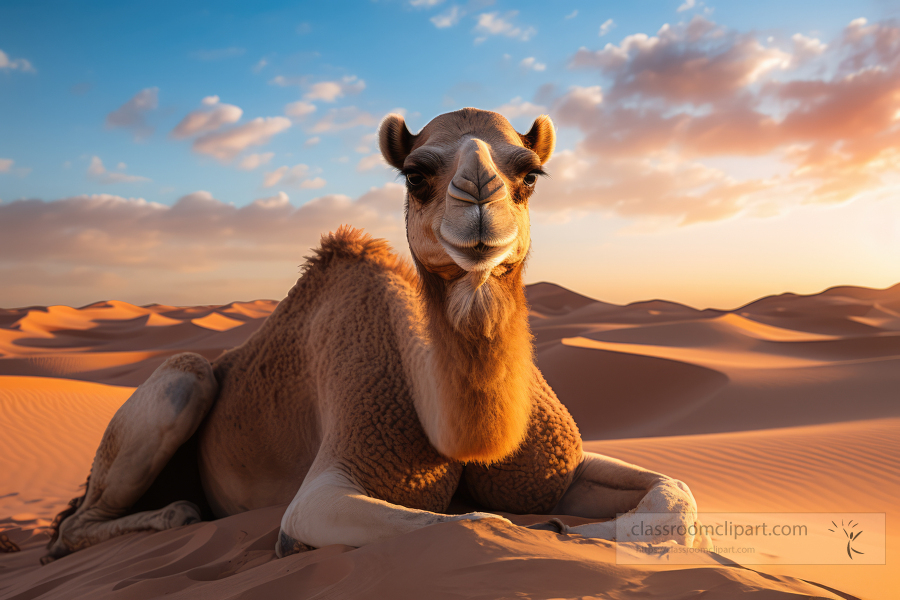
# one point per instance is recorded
(91, 94)
(92, 58)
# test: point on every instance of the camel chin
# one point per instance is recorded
(480, 264)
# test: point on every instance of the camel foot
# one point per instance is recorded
(477, 516)
(286, 545)
(668, 510)
(554, 525)
(88, 528)
(7, 545)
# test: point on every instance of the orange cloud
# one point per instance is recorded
(225, 145)
(133, 114)
(697, 92)
(204, 121)
(132, 241)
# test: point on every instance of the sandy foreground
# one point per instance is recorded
(789, 404)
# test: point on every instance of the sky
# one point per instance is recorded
(708, 152)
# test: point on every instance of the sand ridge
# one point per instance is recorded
(116, 342)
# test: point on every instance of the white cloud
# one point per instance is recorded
(225, 145)
(425, 3)
(329, 91)
(688, 4)
(687, 61)
(807, 47)
(98, 173)
(296, 176)
(299, 109)
(6, 164)
(312, 184)
(260, 65)
(312, 141)
(531, 63)
(15, 64)
(520, 108)
(342, 118)
(586, 96)
(325, 91)
(273, 177)
(252, 161)
(205, 121)
(572, 14)
(606, 27)
(282, 81)
(132, 114)
(371, 161)
(494, 24)
(366, 142)
(279, 200)
(448, 18)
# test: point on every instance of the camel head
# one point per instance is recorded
(469, 176)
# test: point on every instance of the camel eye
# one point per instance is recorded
(530, 179)
(415, 179)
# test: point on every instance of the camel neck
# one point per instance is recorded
(481, 366)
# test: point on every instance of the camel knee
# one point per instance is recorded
(185, 383)
(671, 495)
(171, 404)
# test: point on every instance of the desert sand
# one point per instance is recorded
(788, 404)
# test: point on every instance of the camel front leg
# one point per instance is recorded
(635, 499)
(331, 508)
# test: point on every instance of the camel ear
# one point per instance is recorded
(395, 140)
(541, 139)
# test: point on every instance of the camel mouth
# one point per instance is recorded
(478, 257)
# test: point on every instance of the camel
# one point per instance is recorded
(378, 389)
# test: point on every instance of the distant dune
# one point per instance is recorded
(789, 403)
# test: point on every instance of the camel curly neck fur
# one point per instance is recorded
(481, 361)
(469, 176)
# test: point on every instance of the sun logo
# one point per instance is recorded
(851, 536)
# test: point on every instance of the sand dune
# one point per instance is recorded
(842, 467)
(626, 372)
(51, 428)
(116, 342)
(233, 558)
(789, 403)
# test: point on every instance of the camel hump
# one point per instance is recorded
(351, 243)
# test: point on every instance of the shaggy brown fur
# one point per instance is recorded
(328, 361)
(535, 477)
(484, 380)
(341, 326)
